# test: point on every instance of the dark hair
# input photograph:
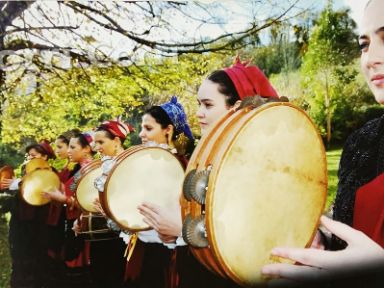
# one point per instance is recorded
(66, 136)
(63, 139)
(162, 118)
(38, 148)
(83, 141)
(226, 86)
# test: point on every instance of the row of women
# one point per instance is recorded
(160, 257)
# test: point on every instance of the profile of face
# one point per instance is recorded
(61, 149)
(151, 130)
(371, 43)
(76, 152)
(212, 105)
(105, 145)
(34, 154)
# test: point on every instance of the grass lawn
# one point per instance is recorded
(333, 157)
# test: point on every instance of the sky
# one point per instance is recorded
(357, 8)
(236, 13)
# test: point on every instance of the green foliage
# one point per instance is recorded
(9, 155)
(328, 70)
(84, 97)
(78, 98)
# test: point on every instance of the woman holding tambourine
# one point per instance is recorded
(107, 256)
(228, 198)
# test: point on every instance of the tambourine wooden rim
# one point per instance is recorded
(85, 173)
(104, 195)
(205, 147)
(38, 200)
(96, 235)
(215, 147)
(36, 163)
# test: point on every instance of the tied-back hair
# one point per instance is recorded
(226, 86)
(66, 136)
(183, 145)
(162, 118)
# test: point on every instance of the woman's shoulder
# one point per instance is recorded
(369, 133)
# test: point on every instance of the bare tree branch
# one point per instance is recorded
(28, 29)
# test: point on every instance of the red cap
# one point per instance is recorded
(117, 128)
(249, 80)
(48, 149)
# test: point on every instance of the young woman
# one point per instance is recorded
(221, 91)
(27, 228)
(359, 202)
(107, 256)
(57, 216)
(75, 250)
(166, 126)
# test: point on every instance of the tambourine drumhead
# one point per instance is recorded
(149, 174)
(267, 188)
(36, 163)
(36, 182)
(86, 192)
(6, 172)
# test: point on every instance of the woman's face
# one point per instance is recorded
(34, 154)
(61, 148)
(76, 153)
(104, 145)
(152, 131)
(371, 43)
(212, 105)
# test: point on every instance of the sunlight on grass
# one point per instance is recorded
(333, 159)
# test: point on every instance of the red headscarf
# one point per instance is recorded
(249, 80)
(117, 128)
(47, 148)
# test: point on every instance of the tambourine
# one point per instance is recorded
(39, 178)
(86, 192)
(151, 174)
(256, 181)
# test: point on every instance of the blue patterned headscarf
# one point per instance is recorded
(175, 112)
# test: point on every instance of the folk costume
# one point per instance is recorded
(360, 195)
(107, 256)
(27, 233)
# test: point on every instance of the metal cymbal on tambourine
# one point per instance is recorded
(199, 186)
(187, 184)
(36, 182)
(194, 231)
(36, 163)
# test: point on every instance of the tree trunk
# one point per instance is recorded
(328, 110)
